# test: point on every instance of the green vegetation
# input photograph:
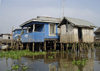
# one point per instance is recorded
(79, 62)
(16, 67)
(18, 54)
(78, 70)
(50, 57)
(65, 65)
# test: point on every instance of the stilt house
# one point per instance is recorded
(40, 29)
(97, 34)
(74, 30)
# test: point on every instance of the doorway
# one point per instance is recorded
(80, 34)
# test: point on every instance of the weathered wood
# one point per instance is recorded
(67, 47)
(68, 36)
(55, 45)
(33, 46)
(73, 47)
(62, 47)
(72, 36)
(88, 35)
(44, 45)
(27, 46)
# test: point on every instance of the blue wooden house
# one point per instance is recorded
(39, 31)
(17, 33)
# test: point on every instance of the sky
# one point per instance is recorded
(15, 12)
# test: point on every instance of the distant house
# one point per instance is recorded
(76, 30)
(97, 34)
(5, 36)
(18, 32)
(40, 29)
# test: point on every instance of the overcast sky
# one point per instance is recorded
(15, 12)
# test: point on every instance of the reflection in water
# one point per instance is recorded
(54, 62)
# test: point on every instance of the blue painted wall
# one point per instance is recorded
(38, 36)
(17, 32)
(47, 36)
(33, 37)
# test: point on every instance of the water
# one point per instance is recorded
(88, 61)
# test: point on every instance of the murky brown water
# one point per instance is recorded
(88, 61)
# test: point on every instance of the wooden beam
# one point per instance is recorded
(33, 47)
(55, 45)
(44, 45)
(27, 46)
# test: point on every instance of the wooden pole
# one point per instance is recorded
(27, 46)
(66, 47)
(61, 46)
(55, 45)
(44, 45)
(33, 46)
(73, 47)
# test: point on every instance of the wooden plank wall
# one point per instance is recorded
(70, 36)
(87, 35)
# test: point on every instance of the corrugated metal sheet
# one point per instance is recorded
(97, 31)
(79, 22)
(75, 21)
(43, 19)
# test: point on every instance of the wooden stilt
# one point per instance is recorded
(73, 47)
(66, 47)
(62, 47)
(92, 46)
(44, 45)
(22, 46)
(17, 46)
(54, 45)
(87, 46)
(27, 46)
(33, 47)
(80, 47)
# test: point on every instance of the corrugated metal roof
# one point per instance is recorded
(79, 22)
(97, 30)
(75, 21)
(43, 19)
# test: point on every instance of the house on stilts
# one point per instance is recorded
(41, 33)
(97, 34)
(48, 33)
(76, 31)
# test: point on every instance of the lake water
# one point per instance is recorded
(87, 61)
